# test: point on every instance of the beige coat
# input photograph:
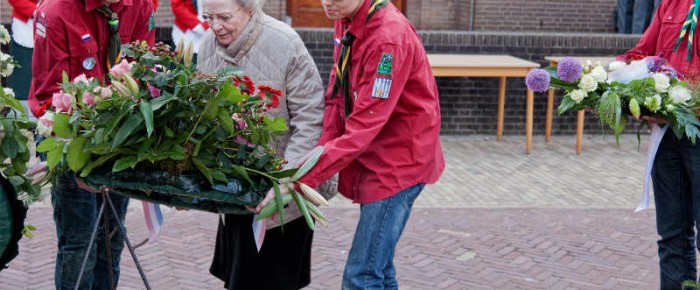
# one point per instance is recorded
(272, 53)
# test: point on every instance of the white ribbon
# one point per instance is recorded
(657, 134)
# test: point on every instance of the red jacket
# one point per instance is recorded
(72, 37)
(662, 34)
(186, 15)
(22, 9)
(391, 140)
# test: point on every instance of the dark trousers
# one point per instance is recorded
(21, 77)
(676, 177)
(75, 214)
(634, 16)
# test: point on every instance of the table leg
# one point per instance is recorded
(501, 107)
(550, 108)
(579, 131)
(530, 100)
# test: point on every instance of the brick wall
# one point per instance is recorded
(469, 105)
(593, 16)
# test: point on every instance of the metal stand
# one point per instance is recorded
(105, 222)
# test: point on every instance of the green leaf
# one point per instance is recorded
(225, 121)
(283, 173)
(230, 93)
(308, 164)
(10, 147)
(64, 77)
(242, 173)
(16, 180)
(566, 104)
(92, 165)
(169, 132)
(54, 156)
(211, 109)
(276, 125)
(61, 126)
(124, 163)
(219, 175)
(77, 157)
(203, 169)
(271, 207)
(147, 112)
(278, 201)
(129, 126)
(161, 101)
(176, 152)
(304, 209)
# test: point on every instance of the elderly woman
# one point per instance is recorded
(270, 53)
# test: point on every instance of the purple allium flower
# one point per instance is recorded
(655, 63)
(569, 69)
(538, 80)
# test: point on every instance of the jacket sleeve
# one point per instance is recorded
(23, 7)
(155, 5)
(186, 13)
(304, 104)
(647, 43)
(147, 31)
(49, 61)
(370, 112)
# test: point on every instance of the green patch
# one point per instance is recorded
(384, 67)
(151, 21)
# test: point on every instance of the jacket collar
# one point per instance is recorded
(357, 24)
(235, 51)
(91, 5)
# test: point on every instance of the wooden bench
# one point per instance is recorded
(500, 66)
(553, 61)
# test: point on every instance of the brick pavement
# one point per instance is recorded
(498, 219)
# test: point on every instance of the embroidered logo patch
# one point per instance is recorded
(384, 67)
(86, 37)
(40, 30)
(381, 88)
(151, 21)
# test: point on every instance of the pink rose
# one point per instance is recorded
(119, 70)
(81, 78)
(104, 92)
(155, 92)
(88, 99)
(45, 125)
(240, 122)
(62, 102)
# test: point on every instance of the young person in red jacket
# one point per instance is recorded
(21, 46)
(676, 169)
(189, 25)
(74, 36)
(381, 131)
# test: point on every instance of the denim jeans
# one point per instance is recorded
(634, 16)
(75, 214)
(370, 262)
(676, 177)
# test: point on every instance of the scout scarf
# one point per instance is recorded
(342, 68)
(689, 27)
(115, 42)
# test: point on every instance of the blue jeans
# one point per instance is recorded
(370, 262)
(634, 16)
(75, 214)
(676, 177)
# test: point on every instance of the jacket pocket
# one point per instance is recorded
(671, 28)
(84, 58)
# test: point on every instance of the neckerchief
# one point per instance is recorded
(689, 27)
(342, 68)
(115, 41)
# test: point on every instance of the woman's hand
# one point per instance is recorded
(654, 119)
(269, 197)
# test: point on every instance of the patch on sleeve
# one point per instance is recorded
(151, 21)
(381, 88)
(40, 24)
(384, 67)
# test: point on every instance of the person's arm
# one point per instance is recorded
(50, 60)
(23, 7)
(647, 43)
(304, 104)
(147, 31)
(155, 5)
(183, 11)
(370, 113)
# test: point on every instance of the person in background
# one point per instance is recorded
(675, 172)
(270, 53)
(634, 16)
(74, 36)
(189, 25)
(21, 47)
(381, 131)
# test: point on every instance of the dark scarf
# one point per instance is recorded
(115, 41)
(342, 69)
